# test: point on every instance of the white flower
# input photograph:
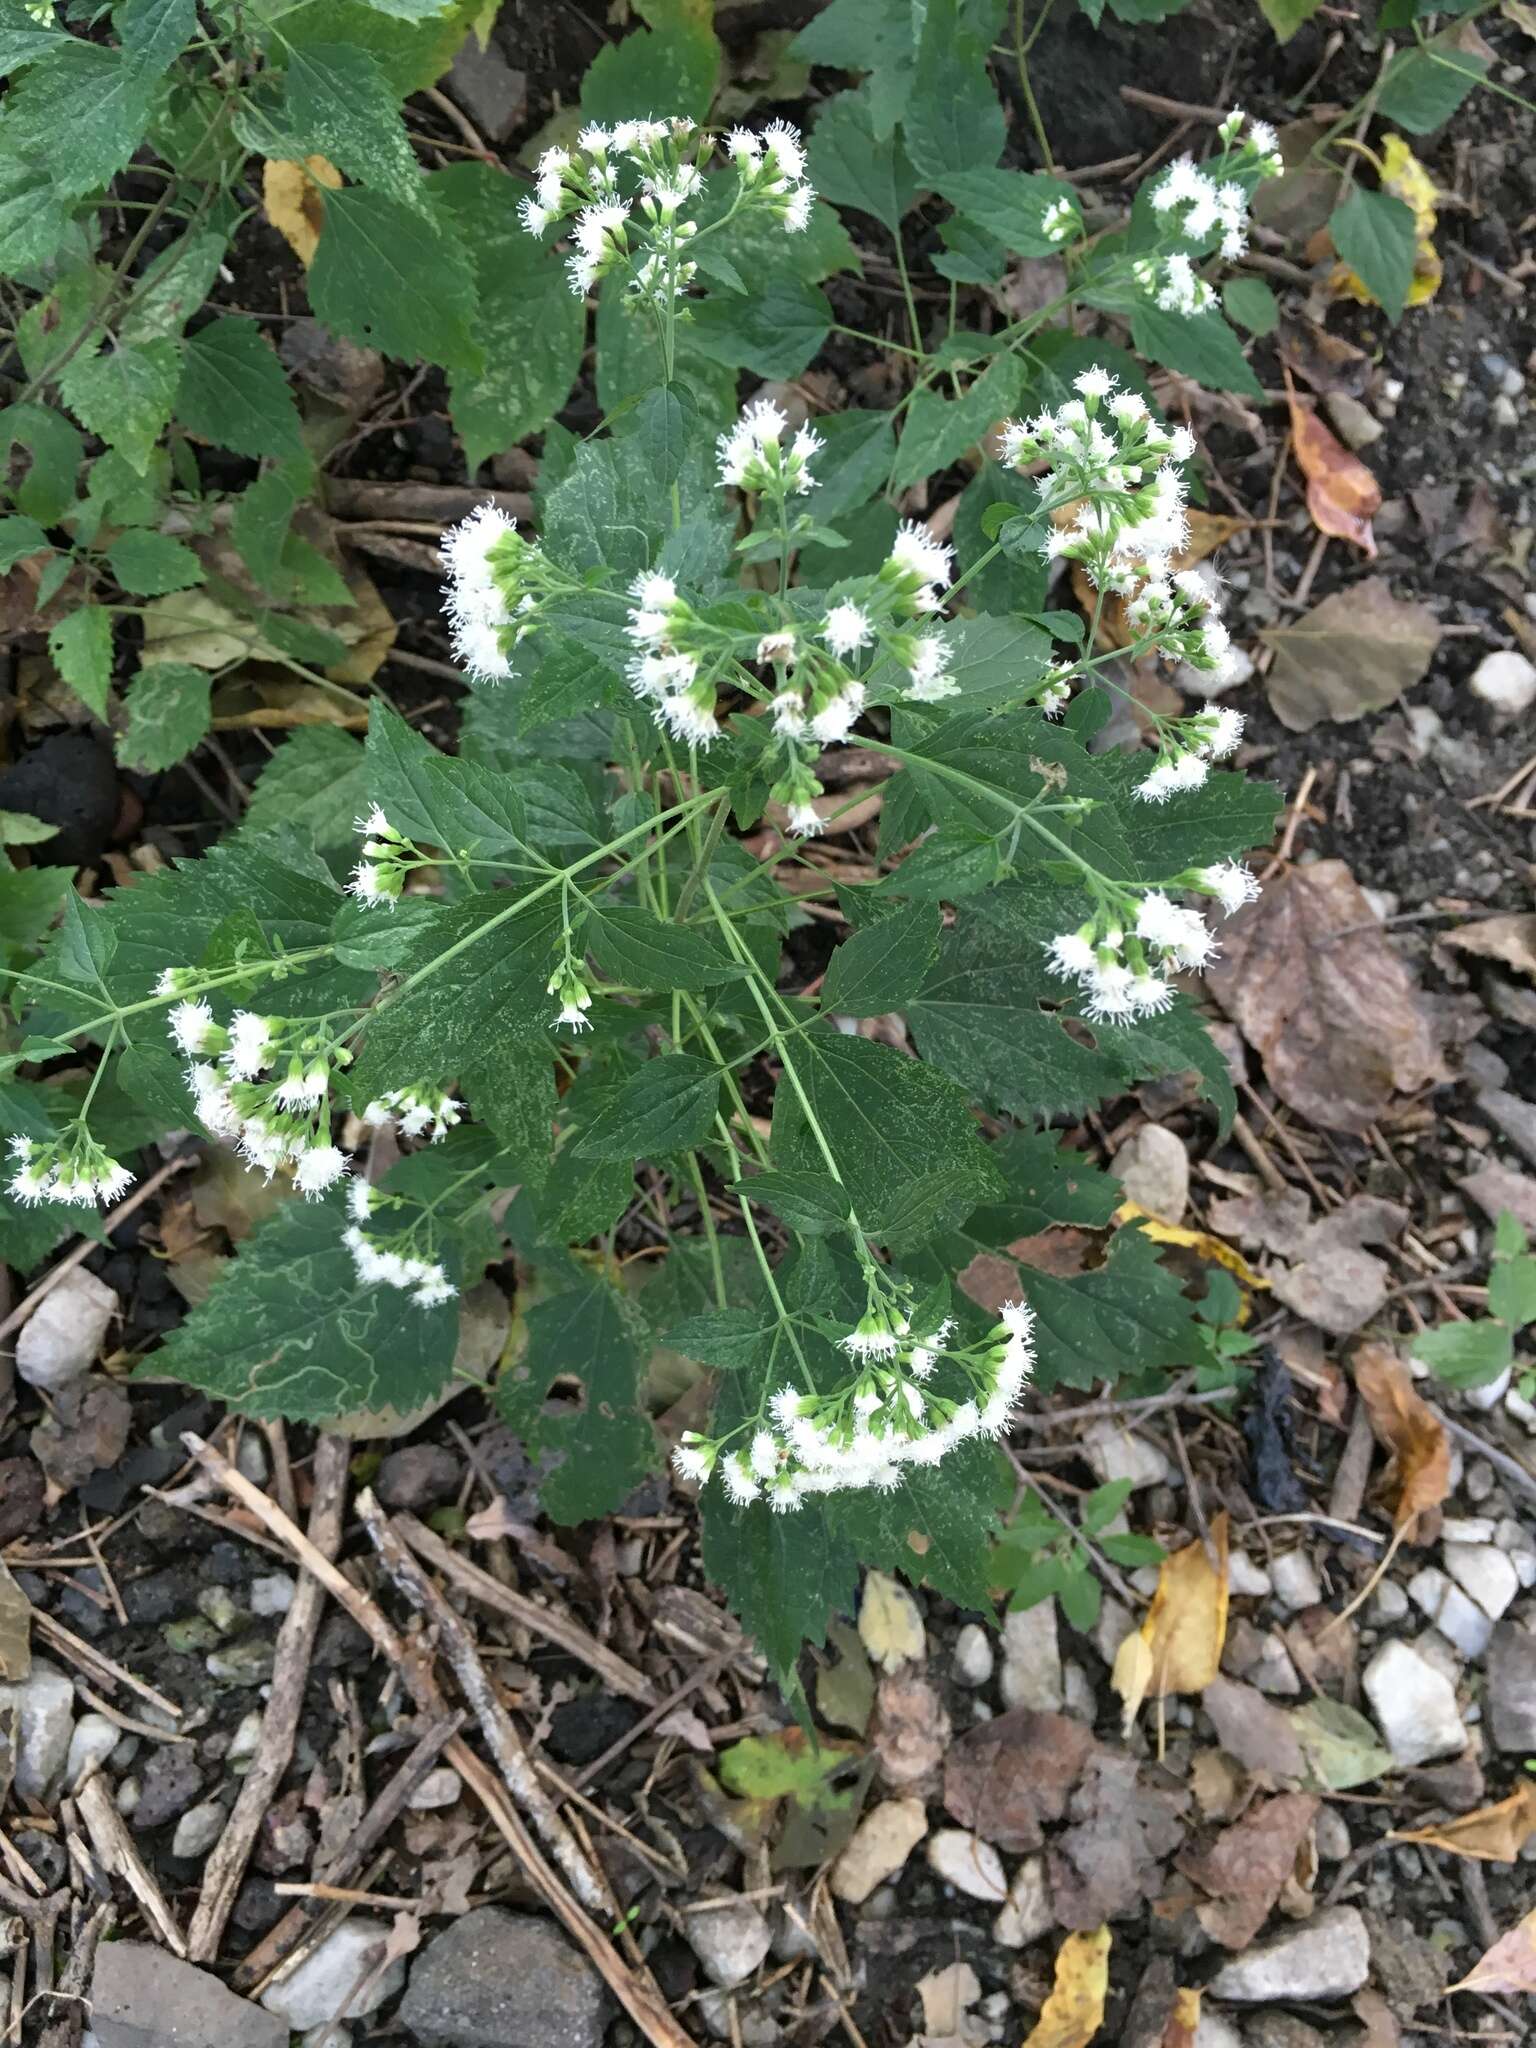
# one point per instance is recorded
(916, 553)
(534, 215)
(1232, 884)
(691, 1464)
(1188, 771)
(805, 821)
(191, 1025)
(796, 216)
(788, 152)
(929, 670)
(1095, 383)
(833, 723)
(779, 647)
(1151, 995)
(1059, 220)
(1223, 734)
(738, 1480)
(250, 1045)
(359, 1200)
(687, 719)
(321, 1167)
(652, 591)
(763, 1456)
(1157, 787)
(434, 1287)
(1070, 954)
(848, 627)
(1263, 138)
(1159, 920)
(743, 147)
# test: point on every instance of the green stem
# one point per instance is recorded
(1021, 50)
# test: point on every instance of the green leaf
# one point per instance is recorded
(1512, 1290)
(528, 326)
(597, 1450)
(1009, 205)
(150, 564)
(234, 394)
(785, 1576)
(1103, 1504)
(513, 1092)
(811, 1203)
(175, 286)
(412, 48)
(387, 276)
(1199, 345)
(953, 120)
(905, 1142)
(339, 104)
(1509, 1238)
(20, 828)
(1374, 233)
(81, 648)
(153, 1076)
(96, 98)
(47, 491)
(35, 215)
(674, 64)
(643, 952)
(940, 430)
(125, 395)
(24, 38)
(434, 800)
(30, 899)
(154, 32)
(1249, 302)
(20, 537)
(314, 785)
(730, 1339)
(1423, 87)
(1081, 1596)
(1340, 1746)
(876, 36)
(288, 1329)
(879, 968)
(853, 161)
(168, 715)
(776, 332)
(1467, 1354)
(669, 1105)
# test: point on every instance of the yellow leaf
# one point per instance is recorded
(890, 1626)
(1185, 1627)
(1183, 2023)
(1496, 1834)
(290, 198)
(1200, 1241)
(1074, 2012)
(1405, 178)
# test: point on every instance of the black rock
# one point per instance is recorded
(170, 1783)
(581, 1729)
(67, 780)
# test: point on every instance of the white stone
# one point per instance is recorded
(729, 1940)
(1440, 1655)
(973, 1656)
(1032, 1659)
(1414, 1706)
(340, 2036)
(1297, 1584)
(1153, 1168)
(245, 1741)
(272, 1594)
(1483, 1570)
(1469, 1529)
(968, 1863)
(1326, 1957)
(93, 1741)
(62, 1338)
(1458, 1619)
(1116, 1452)
(1389, 1602)
(1246, 1578)
(338, 1981)
(1523, 1411)
(438, 1788)
(45, 1722)
(1114, 1624)
(198, 1829)
(1216, 2032)
(1026, 1913)
(1078, 1694)
(878, 1848)
(1506, 680)
(1489, 1396)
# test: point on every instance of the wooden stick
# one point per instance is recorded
(114, 1846)
(553, 1626)
(639, 1997)
(97, 1665)
(225, 1868)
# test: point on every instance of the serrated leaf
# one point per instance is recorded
(853, 161)
(233, 391)
(1422, 88)
(879, 968)
(20, 537)
(875, 36)
(674, 64)
(289, 1329)
(669, 1105)
(436, 801)
(939, 430)
(81, 648)
(1009, 205)
(1251, 304)
(808, 1202)
(35, 215)
(1198, 345)
(1375, 235)
(730, 1339)
(125, 395)
(1469, 1354)
(953, 121)
(47, 491)
(641, 951)
(150, 564)
(776, 332)
(98, 98)
(154, 32)
(386, 275)
(167, 715)
(339, 105)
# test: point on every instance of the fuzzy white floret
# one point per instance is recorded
(250, 1045)
(319, 1169)
(190, 1026)
(1233, 884)
(1069, 953)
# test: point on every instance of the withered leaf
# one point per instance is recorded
(290, 198)
(1356, 651)
(1510, 1965)
(15, 1630)
(911, 1727)
(1308, 979)
(1074, 2012)
(1419, 1476)
(1510, 938)
(1246, 1867)
(1253, 1729)
(1110, 1859)
(1495, 1834)
(1183, 2024)
(1003, 1778)
(1178, 1646)
(1342, 494)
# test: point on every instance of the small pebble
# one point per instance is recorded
(216, 1604)
(198, 1829)
(973, 1655)
(438, 1788)
(969, 1864)
(1296, 1581)
(272, 1594)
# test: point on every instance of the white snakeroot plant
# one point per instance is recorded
(573, 990)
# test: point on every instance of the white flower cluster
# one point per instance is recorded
(1188, 747)
(667, 672)
(496, 580)
(1123, 971)
(377, 1265)
(387, 856)
(753, 458)
(652, 230)
(274, 1119)
(73, 1168)
(887, 1417)
(1198, 204)
(420, 1112)
(568, 984)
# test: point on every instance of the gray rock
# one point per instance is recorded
(1116, 1452)
(340, 1980)
(143, 1997)
(1296, 1582)
(1032, 1675)
(1326, 1957)
(272, 1594)
(1514, 1117)
(1330, 1832)
(1281, 2030)
(973, 1657)
(1459, 1619)
(1483, 1571)
(170, 1783)
(198, 1829)
(494, 96)
(730, 1941)
(1153, 1168)
(438, 1788)
(968, 1863)
(44, 1706)
(62, 1338)
(496, 1979)
(93, 1741)
(419, 1476)
(1414, 1705)
(1511, 1688)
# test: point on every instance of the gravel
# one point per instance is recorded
(1326, 1957)
(1414, 1705)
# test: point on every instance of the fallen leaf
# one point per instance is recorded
(1495, 1188)
(1356, 651)
(1184, 1628)
(1402, 175)
(1183, 2022)
(1378, 2019)
(845, 1690)
(1342, 494)
(90, 1437)
(15, 1630)
(911, 1729)
(890, 1623)
(1273, 1221)
(1199, 1241)
(1340, 1746)
(1419, 1475)
(1327, 362)
(1253, 1729)
(1510, 1965)
(1510, 938)
(811, 1790)
(1109, 1861)
(291, 200)
(1312, 984)
(1522, 15)
(1003, 1778)
(1074, 2012)
(1335, 1283)
(1246, 1867)
(1496, 1834)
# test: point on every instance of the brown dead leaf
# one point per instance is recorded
(1074, 2012)
(1342, 494)
(1510, 938)
(1183, 2022)
(911, 1728)
(1253, 1729)
(1184, 1629)
(1003, 1778)
(1510, 1965)
(1245, 1869)
(290, 198)
(1495, 1188)
(1419, 1475)
(1495, 1834)
(1334, 1282)
(1109, 1861)
(1312, 984)
(1356, 651)
(1327, 362)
